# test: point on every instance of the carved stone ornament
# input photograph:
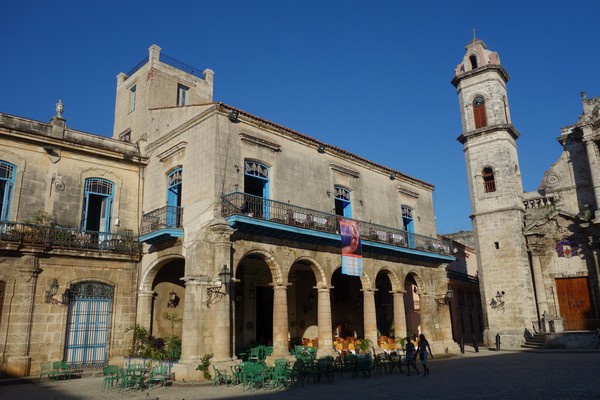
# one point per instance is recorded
(60, 108)
(552, 180)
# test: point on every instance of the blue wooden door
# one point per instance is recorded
(88, 324)
(174, 181)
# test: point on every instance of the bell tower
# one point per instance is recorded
(495, 187)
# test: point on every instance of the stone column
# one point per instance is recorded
(192, 320)
(280, 321)
(218, 317)
(219, 325)
(593, 243)
(18, 335)
(538, 284)
(369, 315)
(590, 147)
(144, 309)
(399, 314)
(324, 322)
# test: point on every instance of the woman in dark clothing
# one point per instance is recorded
(422, 348)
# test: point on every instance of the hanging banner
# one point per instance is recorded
(351, 247)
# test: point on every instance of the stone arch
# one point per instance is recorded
(271, 262)
(365, 281)
(418, 279)
(149, 274)
(321, 277)
(393, 277)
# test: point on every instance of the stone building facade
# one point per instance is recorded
(68, 234)
(238, 219)
(537, 251)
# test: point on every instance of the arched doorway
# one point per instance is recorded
(412, 306)
(347, 305)
(384, 305)
(168, 304)
(253, 303)
(302, 305)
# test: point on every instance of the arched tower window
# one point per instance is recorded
(489, 182)
(479, 112)
(473, 60)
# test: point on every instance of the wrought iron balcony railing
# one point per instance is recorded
(71, 238)
(238, 203)
(166, 217)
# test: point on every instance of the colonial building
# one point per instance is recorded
(239, 219)
(70, 209)
(537, 251)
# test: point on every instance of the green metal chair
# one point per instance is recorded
(159, 373)
(110, 376)
(220, 376)
(125, 380)
(236, 374)
(255, 354)
(47, 370)
(62, 369)
(281, 375)
(253, 375)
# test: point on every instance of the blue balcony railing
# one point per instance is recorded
(238, 203)
(65, 237)
(167, 217)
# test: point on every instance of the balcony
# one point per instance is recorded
(52, 237)
(162, 224)
(280, 219)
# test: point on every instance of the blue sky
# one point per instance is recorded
(372, 77)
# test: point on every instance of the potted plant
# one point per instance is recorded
(364, 345)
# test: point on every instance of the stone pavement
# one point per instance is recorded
(484, 375)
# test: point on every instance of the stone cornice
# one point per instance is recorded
(481, 70)
(488, 130)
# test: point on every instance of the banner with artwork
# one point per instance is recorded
(351, 247)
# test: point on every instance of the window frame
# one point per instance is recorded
(489, 185)
(9, 189)
(132, 98)
(479, 112)
(183, 95)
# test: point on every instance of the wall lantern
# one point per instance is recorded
(497, 303)
(321, 148)
(214, 292)
(442, 301)
(233, 116)
(173, 300)
(51, 292)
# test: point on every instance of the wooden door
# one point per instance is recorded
(575, 303)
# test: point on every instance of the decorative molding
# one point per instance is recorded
(407, 192)
(260, 142)
(179, 147)
(344, 170)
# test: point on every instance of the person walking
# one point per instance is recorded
(410, 356)
(422, 348)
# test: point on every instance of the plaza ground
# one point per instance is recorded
(484, 375)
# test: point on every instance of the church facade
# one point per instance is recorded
(537, 251)
(212, 224)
